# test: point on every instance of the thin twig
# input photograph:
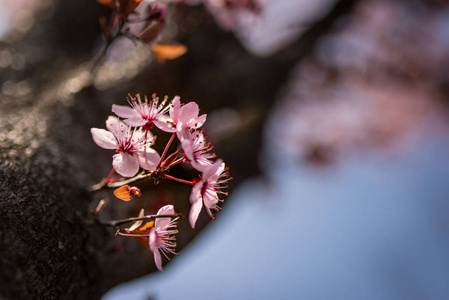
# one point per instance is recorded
(117, 184)
(178, 179)
(166, 149)
(115, 223)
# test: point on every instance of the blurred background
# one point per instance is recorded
(332, 116)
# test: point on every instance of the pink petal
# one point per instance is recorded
(152, 243)
(197, 203)
(114, 125)
(135, 121)
(186, 143)
(175, 107)
(163, 222)
(152, 240)
(214, 170)
(188, 112)
(158, 260)
(104, 138)
(124, 111)
(165, 124)
(125, 164)
(148, 159)
(197, 122)
(201, 165)
(210, 198)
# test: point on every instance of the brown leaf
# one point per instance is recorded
(164, 51)
(123, 193)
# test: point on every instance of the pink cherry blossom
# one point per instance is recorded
(144, 113)
(161, 237)
(182, 117)
(132, 147)
(206, 191)
(196, 149)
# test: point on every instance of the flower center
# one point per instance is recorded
(126, 147)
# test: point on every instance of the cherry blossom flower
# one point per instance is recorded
(206, 191)
(132, 147)
(196, 149)
(142, 113)
(160, 238)
(182, 117)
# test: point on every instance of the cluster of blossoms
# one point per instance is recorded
(145, 20)
(130, 136)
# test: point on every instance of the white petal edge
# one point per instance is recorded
(164, 123)
(113, 124)
(135, 121)
(188, 112)
(163, 222)
(197, 122)
(148, 159)
(124, 111)
(175, 107)
(125, 164)
(197, 204)
(152, 243)
(214, 170)
(103, 138)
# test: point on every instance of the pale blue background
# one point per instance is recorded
(371, 227)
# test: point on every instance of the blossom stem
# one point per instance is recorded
(178, 179)
(116, 184)
(177, 161)
(109, 178)
(115, 223)
(166, 149)
(132, 234)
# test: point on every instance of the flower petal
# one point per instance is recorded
(174, 109)
(197, 122)
(135, 121)
(197, 203)
(152, 240)
(114, 125)
(165, 123)
(148, 159)
(163, 222)
(104, 138)
(124, 111)
(125, 164)
(188, 112)
(201, 165)
(210, 198)
(214, 171)
(186, 143)
(152, 243)
(158, 260)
